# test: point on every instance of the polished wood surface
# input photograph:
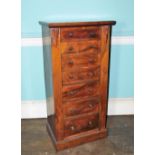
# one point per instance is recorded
(78, 91)
(80, 46)
(80, 75)
(73, 24)
(79, 125)
(76, 108)
(86, 59)
(80, 33)
(80, 56)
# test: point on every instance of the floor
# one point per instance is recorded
(120, 140)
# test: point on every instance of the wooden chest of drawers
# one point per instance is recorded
(76, 61)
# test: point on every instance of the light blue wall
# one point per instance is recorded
(77, 10)
(32, 74)
(121, 73)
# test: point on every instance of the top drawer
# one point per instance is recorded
(79, 33)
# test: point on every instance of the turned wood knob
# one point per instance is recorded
(90, 105)
(71, 76)
(90, 90)
(70, 62)
(91, 60)
(80, 77)
(70, 34)
(70, 48)
(92, 34)
(73, 111)
(90, 74)
(72, 92)
(90, 123)
(92, 46)
(72, 128)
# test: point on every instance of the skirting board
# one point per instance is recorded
(37, 109)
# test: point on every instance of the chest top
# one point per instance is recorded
(72, 24)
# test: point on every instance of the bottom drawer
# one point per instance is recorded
(78, 125)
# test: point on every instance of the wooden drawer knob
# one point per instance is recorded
(72, 128)
(90, 90)
(73, 111)
(70, 34)
(90, 123)
(71, 76)
(70, 62)
(72, 92)
(92, 34)
(92, 46)
(91, 60)
(70, 49)
(90, 105)
(90, 74)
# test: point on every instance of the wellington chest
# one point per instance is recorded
(76, 66)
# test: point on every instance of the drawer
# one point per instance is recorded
(78, 47)
(81, 107)
(81, 75)
(82, 90)
(86, 59)
(79, 33)
(79, 125)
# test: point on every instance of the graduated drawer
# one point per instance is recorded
(78, 91)
(80, 47)
(80, 75)
(74, 108)
(79, 33)
(79, 125)
(86, 59)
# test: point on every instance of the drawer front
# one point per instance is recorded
(79, 125)
(80, 47)
(72, 61)
(81, 75)
(80, 90)
(79, 33)
(76, 108)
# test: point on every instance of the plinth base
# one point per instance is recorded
(77, 139)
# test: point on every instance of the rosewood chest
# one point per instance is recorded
(76, 66)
